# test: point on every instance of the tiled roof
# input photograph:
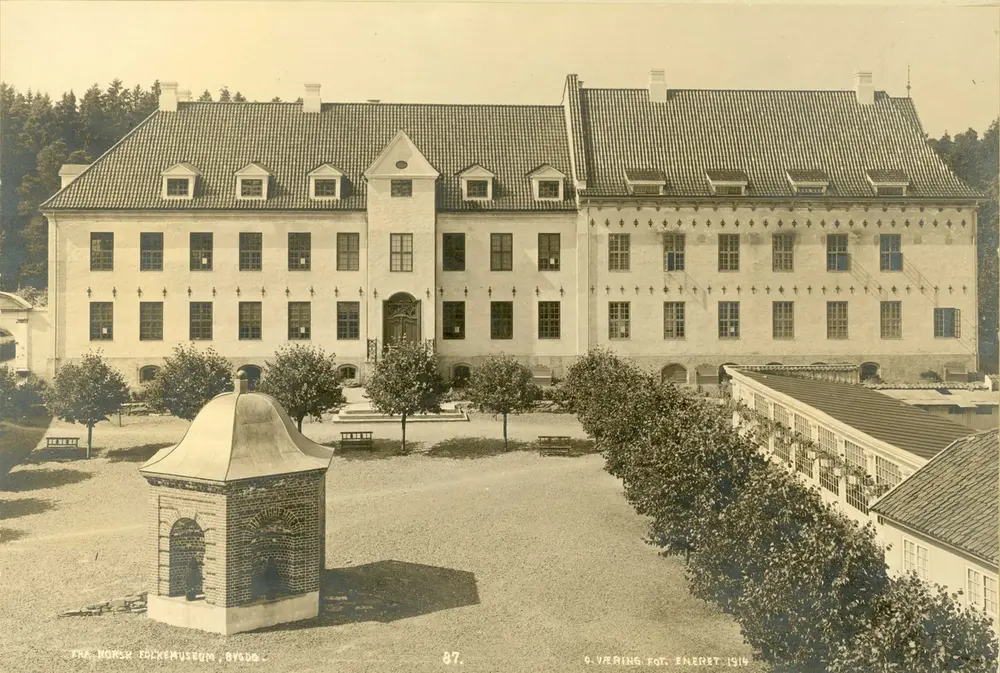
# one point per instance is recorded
(807, 175)
(834, 367)
(953, 498)
(645, 174)
(221, 138)
(763, 133)
(877, 415)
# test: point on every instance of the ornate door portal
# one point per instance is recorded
(400, 319)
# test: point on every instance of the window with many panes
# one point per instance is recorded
(151, 251)
(200, 321)
(400, 252)
(947, 323)
(890, 249)
(891, 319)
(729, 252)
(251, 251)
(251, 188)
(501, 320)
(177, 186)
(836, 320)
(549, 189)
(783, 320)
(548, 252)
(102, 252)
(673, 252)
(548, 320)
(803, 463)
(299, 320)
(453, 252)
(783, 252)
(348, 320)
(348, 251)
(729, 320)
(619, 320)
(886, 474)
(982, 591)
(250, 320)
(102, 315)
(782, 447)
(854, 456)
(501, 252)
(477, 189)
(837, 258)
(299, 251)
(325, 188)
(453, 323)
(915, 559)
(401, 188)
(619, 251)
(673, 320)
(201, 251)
(990, 596)
(828, 479)
(150, 321)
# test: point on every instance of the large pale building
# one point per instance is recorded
(687, 229)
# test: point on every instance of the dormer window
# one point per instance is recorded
(807, 182)
(888, 182)
(645, 182)
(252, 182)
(178, 181)
(325, 183)
(477, 183)
(727, 182)
(548, 183)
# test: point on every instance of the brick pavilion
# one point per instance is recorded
(237, 519)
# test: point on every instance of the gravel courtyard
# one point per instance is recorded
(515, 562)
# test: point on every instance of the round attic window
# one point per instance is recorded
(401, 165)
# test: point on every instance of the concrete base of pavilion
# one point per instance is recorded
(178, 611)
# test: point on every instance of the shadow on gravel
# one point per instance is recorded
(11, 509)
(381, 449)
(481, 447)
(387, 591)
(31, 480)
(135, 454)
(11, 534)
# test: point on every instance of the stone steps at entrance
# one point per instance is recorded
(362, 412)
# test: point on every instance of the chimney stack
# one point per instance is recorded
(168, 96)
(657, 86)
(70, 172)
(240, 383)
(184, 96)
(311, 101)
(863, 87)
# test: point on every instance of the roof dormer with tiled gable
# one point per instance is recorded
(252, 182)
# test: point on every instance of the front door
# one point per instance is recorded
(401, 319)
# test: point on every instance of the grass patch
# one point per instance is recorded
(381, 449)
(19, 439)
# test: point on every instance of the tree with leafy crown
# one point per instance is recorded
(87, 392)
(187, 380)
(304, 380)
(405, 382)
(501, 386)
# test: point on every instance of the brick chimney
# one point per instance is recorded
(863, 87)
(657, 86)
(168, 96)
(311, 101)
(70, 172)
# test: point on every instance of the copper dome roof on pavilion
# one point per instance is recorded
(239, 436)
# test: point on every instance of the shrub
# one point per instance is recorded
(304, 380)
(87, 393)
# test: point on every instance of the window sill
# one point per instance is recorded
(250, 339)
(353, 338)
(151, 338)
(251, 270)
(147, 270)
(299, 268)
(453, 270)
(499, 338)
(453, 338)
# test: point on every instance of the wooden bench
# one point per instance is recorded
(135, 409)
(62, 442)
(549, 445)
(356, 440)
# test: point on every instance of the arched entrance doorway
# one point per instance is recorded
(675, 373)
(400, 319)
(252, 373)
(870, 371)
(8, 349)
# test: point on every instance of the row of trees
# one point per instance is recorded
(303, 379)
(808, 585)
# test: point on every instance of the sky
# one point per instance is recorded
(509, 52)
